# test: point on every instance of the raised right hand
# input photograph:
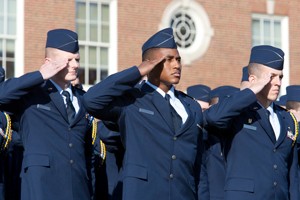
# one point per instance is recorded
(52, 67)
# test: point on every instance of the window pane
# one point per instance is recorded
(11, 7)
(104, 74)
(104, 57)
(255, 32)
(277, 33)
(81, 31)
(10, 48)
(1, 7)
(82, 54)
(1, 24)
(93, 33)
(105, 13)
(92, 56)
(93, 12)
(10, 69)
(92, 76)
(267, 32)
(93, 22)
(81, 14)
(1, 48)
(105, 33)
(1, 17)
(11, 24)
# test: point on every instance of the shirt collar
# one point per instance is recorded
(271, 108)
(60, 90)
(161, 92)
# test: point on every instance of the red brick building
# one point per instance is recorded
(215, 36)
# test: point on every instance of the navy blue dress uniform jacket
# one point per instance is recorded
(257, 166)
(159, 163)
(11, 162)
(2, 157)
(55, 163)
(107, 172)
(212, 179)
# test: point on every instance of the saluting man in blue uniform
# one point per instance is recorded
(54, 129)
(162, 151)
(260, 153)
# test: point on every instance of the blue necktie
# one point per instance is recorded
(70, 108)
(177, 121)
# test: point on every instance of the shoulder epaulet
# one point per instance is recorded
(7, 135)
(296, 127)
(103, 151)
(94, 125)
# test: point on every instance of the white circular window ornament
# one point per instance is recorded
(184, 29)
(192, 29)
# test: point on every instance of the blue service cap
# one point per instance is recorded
(63, 39)
(267, 55)
(245, 74)
(293, 93)
(199, 92)
(281, 101)
(2, 74)
(162, 39)
(223, 91)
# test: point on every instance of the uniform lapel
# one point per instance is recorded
(163, 108)
(265, 124)
(81, 111)
(57, 99)
(282, 127)
(160, 104)
(191, 118)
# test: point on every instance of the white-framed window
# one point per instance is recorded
(191, 26)
(8, 35)
(273, 30)
(96, 39)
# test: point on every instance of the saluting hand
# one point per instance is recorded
(146, 66)
(52, 67)
(258, 83)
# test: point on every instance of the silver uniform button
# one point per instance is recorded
(171, 176)
(174, 138)
(275, 166)
(71, 161)
(275, 183)
(70, 145)
(173, 157)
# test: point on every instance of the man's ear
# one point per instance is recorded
(252, 78)
(47, 60)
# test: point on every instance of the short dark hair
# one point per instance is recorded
(295, 105)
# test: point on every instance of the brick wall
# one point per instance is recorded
(230, 45)
(139, 19)
(41, 16)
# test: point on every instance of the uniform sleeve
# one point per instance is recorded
(103, 99)
(12, 90)
(221, 114)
